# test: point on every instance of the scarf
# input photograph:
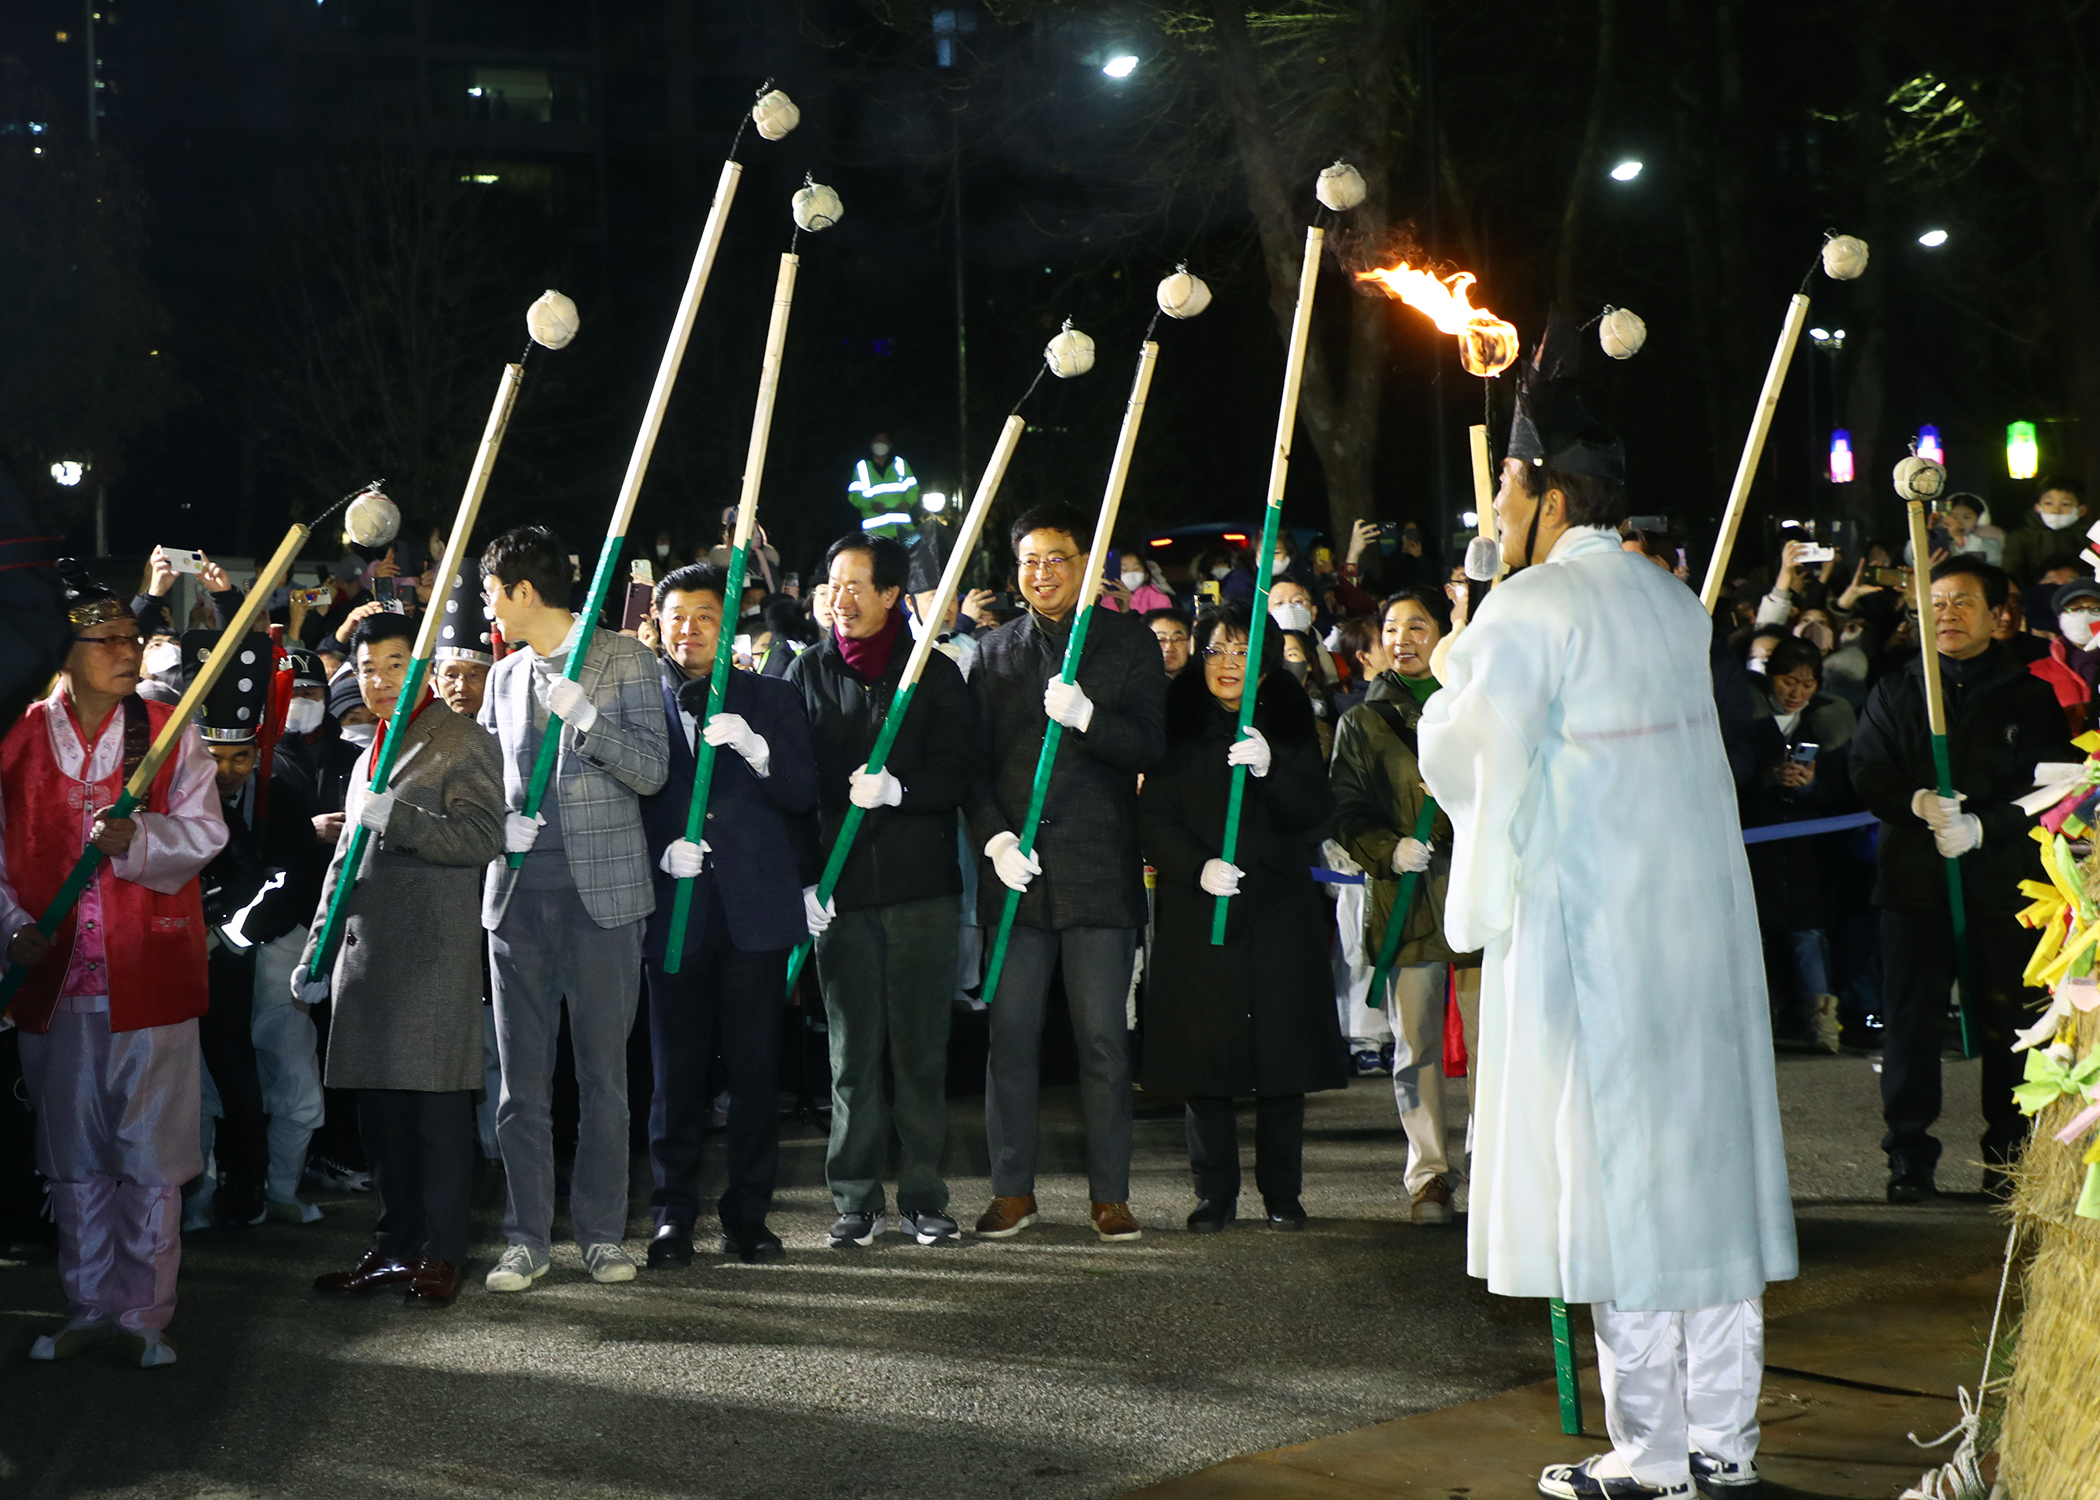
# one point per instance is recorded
(869, 656)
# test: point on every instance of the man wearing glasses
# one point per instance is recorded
(1083, 887)
(109, 1009)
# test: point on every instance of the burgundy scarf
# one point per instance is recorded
(869, 657)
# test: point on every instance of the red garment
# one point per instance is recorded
(2072, 690)
(154, 944)
(870, 657)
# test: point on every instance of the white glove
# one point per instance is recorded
(683, 859)
(1410, 857)
(568, 702)
(308, 991)
(817, 915)
(520, 833)
(377, 809)
(736, 732)
(872, 789)
(1067, 703)
(1252, 752)
(1937, 811)
(1013, 868)
(1219, 878)
(1959, 836)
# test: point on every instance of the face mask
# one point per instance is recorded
(2078, 629)
(1133, 581)
(1279, 564)
(1296, 669)
(303, 716)
(1292, 616)
(880, 450)
(2058, 522)
(1757, 666)
(663, 549)
(361, 734)
(166, 657)
(1220, 572)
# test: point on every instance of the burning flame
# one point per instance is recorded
(1486, 344)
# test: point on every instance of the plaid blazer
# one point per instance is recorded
(600, 777)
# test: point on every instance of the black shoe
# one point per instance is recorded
(752, 1243)
(1910, 1187)
(854, 1229)
(1289, 1217)
(1212, 1215)
(673, 1246)
(1724, 1481)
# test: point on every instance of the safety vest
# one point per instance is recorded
(887, 498)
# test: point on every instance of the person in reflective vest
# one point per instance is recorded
(884, 491)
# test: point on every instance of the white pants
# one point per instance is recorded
(286, 1062)
(1675, 1381)
(1351, 963)
(1414, 1008)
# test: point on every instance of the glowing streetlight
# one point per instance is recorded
(1932, 239)
(69, 471)
(1928, 445)
(1626, 171)
(2023, 451)
(1841, 457)
(1120, 67)
(934, 501)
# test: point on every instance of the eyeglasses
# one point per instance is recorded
(1233, 653)
(1045, 564)
(113, 642)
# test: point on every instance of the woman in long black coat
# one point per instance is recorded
(1255, 1015)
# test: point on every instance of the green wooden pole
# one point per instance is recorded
(1565, 1378)
(1936, 721)
(1403, 904)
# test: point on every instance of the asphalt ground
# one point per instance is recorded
(1050, 1365)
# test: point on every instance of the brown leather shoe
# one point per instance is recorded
(432, 1283)
(1006, 1217)
(373, 1272)
(1115, 1221)
(1432, 1203)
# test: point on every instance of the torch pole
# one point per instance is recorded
(1484, 496)
(1936, 721)
(733, 592)
(141, 783)
(886, 738)
(419, 668)
(1753, 449)
(1075, 645)
(637, 467)
(1279, 468)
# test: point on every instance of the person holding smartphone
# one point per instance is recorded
(1799, 746)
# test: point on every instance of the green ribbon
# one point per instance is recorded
(2049, 1079)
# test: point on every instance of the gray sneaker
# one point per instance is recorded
(608, 1263)
(518, 1269)
(930, 1228)
(854, 1229)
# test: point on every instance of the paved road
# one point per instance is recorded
(1048, 1366)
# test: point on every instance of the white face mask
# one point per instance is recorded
(1756, 664)
(166, 657)
(1133, 580)
(2057, 522)
(361, 734)
(880, 450)
(663, 549)
(303, 716)
(1220, 571)
(1292, 616)
(1279, 565)
(2078, 629)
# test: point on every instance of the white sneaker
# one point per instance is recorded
(517, 1269)
(1718, 1478)
(77, 1337)
(608, 1263)
(292, 1211)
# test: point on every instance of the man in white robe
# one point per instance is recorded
(1628, 1149)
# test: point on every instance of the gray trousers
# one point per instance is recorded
(1097, 982)
(889, 984)
(548, 948)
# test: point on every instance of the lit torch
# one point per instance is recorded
(1486, 344)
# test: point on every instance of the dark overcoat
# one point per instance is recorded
(1256, 1015)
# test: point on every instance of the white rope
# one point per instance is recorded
(1961, 1476)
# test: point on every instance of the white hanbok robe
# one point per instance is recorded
(1627, 1138)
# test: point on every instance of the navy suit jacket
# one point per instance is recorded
(760, 831)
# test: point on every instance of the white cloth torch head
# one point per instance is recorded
(1483, 559)
(1621, 332)
(372, 520)
(1844, 257)
(817, 206)
(552, 320)
(1070, 354)
(1183, 295)
(775, 115)
(1341, 187)
(1920, 479)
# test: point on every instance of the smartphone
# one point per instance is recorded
(393, 607)
(317, 598)
(1939, 540)
(644, 571)
(1815, 553)
(640, 594)
(191, 562)
(1211, 590)
(1803, 754)
(1888, 578)
(1389, 531)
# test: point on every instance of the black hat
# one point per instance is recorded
(926, 564)
(234, 710)
(1552, 428)
(2077, 588)
(87, 601)
(307, 670)
(464, 635)
(343, 692)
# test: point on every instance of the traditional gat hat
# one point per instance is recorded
(233, 711)
(464, 633)
(87, 601)
(1552, 428)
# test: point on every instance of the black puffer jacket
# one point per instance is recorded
(2001, 721)
(1093, 871)
(907, 852)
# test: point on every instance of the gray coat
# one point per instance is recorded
(407, 981)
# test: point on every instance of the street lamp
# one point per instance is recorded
(1932, 239)
(69, 471)
(1120, 67)
(934, 501)
(2023, 451)
(1841, 470)
(1626, 171)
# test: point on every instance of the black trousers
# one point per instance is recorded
(225, 1035)
(1917, 969)
(727, 1002)
(421, 1147)
(1279, 1148)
